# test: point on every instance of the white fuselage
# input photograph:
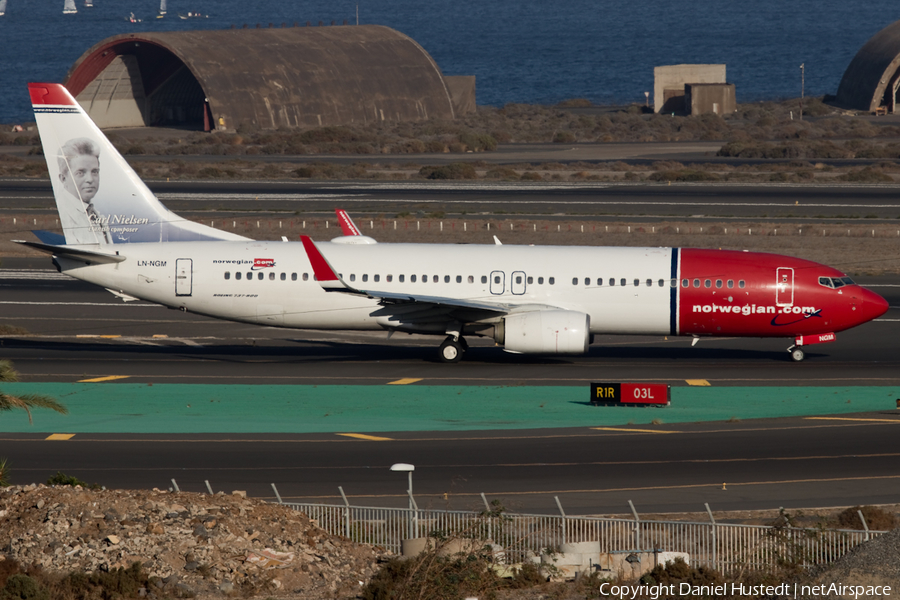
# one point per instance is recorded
(272, 283)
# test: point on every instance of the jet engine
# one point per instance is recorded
(545, 332)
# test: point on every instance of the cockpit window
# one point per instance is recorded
(835, 282)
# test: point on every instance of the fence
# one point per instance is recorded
(724, 547)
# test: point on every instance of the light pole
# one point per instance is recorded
(414, 516)
(802, 86)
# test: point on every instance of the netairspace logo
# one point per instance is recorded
(653, 592)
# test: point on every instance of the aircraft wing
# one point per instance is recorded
(410, 306)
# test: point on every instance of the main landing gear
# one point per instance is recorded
(797, 353)
(452, 349)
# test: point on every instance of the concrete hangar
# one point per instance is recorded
(265, 78)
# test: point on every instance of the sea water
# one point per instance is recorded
(529, 51)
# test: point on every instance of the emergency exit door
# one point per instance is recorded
(183, 276)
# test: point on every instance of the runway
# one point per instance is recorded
(83, 333)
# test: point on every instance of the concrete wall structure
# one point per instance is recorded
(668, 84)
(873, 76)
(709, 98)
(265, 79)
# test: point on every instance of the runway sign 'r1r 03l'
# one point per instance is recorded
(657, 394)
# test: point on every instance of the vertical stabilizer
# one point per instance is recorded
(100, 199)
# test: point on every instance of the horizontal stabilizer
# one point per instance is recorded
(89, 256)
(48, 237)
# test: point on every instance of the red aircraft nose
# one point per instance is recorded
(873, 305)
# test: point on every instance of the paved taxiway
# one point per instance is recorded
(82, 331)
(794, 462)
(822, 203)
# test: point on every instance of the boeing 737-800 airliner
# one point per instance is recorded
(530, 299)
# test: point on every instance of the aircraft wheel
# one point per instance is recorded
(797, 354)
(451, 351)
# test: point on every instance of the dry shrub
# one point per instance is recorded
(877, 518)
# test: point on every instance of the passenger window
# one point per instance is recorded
(551, 280)
(259, 276)
(662, 283)
(637, 282)
(237, 275)
(518, 279)
(730, 283)
(389, 278)
(707, 283)
(674, 283)
(650, 282)
(587, 281)
(412, 278)
(249, 275)
(529, 280)
(612, 281)
(741, 284)
(401, 278)
(623, 282)
(376, 278)
(574, 281)
(496, 279)
(284, 277)
(228, 275)
(459, 279)
(365, 277)
(471, 279)
(685, 283)
(436, 279)
(540, 281)
(271, 276)
(424, 278)
(696, 283)
(718, 283)
(599, 281)
(484, 279)
(446, 279)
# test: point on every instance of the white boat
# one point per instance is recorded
(89, 3)
(2, 7)
(162, 7)
(69, 8)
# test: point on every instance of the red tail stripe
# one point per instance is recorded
(49, 93)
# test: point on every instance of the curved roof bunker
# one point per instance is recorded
(264, 79)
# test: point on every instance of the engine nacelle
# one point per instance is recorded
(545, 332)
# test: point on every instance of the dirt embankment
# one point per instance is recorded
(192, 545)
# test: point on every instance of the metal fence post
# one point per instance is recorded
(346, 513)
(563, 513)
(637, 526)
(208, 487)
(865, 525)
(489, 516)
(277, 495)
(175, 486)
(712, 534)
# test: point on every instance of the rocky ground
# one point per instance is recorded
(195, 545)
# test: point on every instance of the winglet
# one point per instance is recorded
(323, 271)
